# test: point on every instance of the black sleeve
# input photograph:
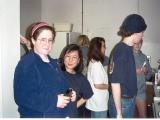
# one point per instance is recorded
(119, 67)
(86, 90)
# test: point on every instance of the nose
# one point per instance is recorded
(70, 59)
(48, 42)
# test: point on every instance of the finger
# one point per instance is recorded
(62, 106)
(66, 98)
(66, 101)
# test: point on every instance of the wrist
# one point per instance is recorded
(119, 115)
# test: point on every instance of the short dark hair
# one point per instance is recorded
(133, 23)
(95, 49)
(69, 48)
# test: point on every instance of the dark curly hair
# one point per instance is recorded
(69, 48)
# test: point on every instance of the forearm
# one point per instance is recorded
(101, 86)
(117, 97)
(24, 41)
(81, 102)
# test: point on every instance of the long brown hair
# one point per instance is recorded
(95, 49)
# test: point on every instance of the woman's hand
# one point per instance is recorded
(141, 71)
(25, 42)
(73, 96)
(62, 101)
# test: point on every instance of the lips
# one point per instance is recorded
(70, 64)
(46, 49)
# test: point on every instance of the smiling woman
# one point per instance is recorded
(39, 83)
(71, 62)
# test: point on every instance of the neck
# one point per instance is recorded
(70, 71)
(136, 51)
(128, 41)
(43, 57)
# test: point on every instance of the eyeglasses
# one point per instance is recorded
(44, 40)
(73, 58)
(104, 46)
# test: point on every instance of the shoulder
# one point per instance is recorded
(84, 48)
(81, 79)
(118, 48)
(54, 61)
(95, 67)
(26, 63)
(121, 51)
(141, 55)
(80, 75)
(145, 56)
(28, 58)
(95, 63)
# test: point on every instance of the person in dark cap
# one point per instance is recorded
(122, 70)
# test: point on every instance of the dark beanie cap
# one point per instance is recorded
(133, 23)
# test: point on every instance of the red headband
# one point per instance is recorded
(41, 24)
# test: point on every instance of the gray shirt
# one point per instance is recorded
(140, 58)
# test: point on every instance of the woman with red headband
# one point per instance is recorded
(39, 83)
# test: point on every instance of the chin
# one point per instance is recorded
(46, 53)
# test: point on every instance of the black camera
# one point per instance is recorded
(69, 92)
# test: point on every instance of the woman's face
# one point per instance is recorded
(71, 60)
(103, 48)
(44, 42)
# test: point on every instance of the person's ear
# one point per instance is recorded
(33, 41)
(78, 60)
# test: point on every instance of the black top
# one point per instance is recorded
(79, 83)
(124, 71)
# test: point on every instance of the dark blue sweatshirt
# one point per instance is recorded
(36, 86)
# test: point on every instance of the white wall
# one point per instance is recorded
(30, 12)
(9, 54)
(151, 11)
(62, 11)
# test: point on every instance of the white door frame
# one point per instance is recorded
(9, 54)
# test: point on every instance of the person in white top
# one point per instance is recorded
(97, 76)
